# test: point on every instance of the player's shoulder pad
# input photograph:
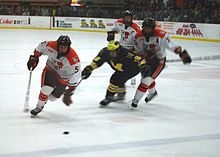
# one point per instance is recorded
(135, 27)
(52, 44)
(103, 51)
(159, 32)
(103, 54)
(121, 21)
(139, 34)
(126, 52)
(72, 57)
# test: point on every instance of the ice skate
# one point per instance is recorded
(109, 99)
(37, 110)
(134, 104)
(105, 102)
(150, 97)
(119, 96)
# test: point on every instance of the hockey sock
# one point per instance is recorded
(141, 90)
(43, 96)
(52, 98)
(152, 88)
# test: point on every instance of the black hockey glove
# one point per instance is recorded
(111, 35)
(145, 70)
(87, 71)
(185, 57)
(67, 97)
(32, 62)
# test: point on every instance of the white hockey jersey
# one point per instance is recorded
(156, 44)
(67, 67)
(127, 35)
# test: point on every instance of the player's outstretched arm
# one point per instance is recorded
(32, 62)
(87, 71)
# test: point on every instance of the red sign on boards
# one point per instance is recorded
(189, 30)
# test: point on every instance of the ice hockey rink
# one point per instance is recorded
(183, 121)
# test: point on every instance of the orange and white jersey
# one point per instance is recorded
(156, 44)
(127, 35)
(67, 67)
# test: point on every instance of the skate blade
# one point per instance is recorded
(32, 116)
(26, 110)
(103, 106)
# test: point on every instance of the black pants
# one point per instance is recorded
(118, 80)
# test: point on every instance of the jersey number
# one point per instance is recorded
(76, 69)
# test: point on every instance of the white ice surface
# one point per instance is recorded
(183, 121)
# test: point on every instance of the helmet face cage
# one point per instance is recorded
(148, 27)
(149, 22)
(128, 21)
(113, 45)
(127, 13)
(64, 41)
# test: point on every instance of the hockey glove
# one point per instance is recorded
(87, 71)
(111, 35)
(67, 97)
(185, 57)
(32, 62)
(145, 70)
(178, 50)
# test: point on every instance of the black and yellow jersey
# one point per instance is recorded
(125, 61)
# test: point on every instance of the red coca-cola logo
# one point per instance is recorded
(6, 21)
(16, 22)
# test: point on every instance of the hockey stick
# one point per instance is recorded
(79, 82)
(77, 85)
(201, 58)
(26, 103)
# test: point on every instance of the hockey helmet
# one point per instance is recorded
(127, 16)
(148, 27)
(127, 13)
(113, 45)
(64, 41)
(149, 22)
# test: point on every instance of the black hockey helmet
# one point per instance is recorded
(127, 21)
(64, 41)
(127, 13)
(148, 27)
(149, 22)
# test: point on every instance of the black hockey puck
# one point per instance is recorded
(66, 132)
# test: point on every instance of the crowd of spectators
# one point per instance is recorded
(199, 11)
